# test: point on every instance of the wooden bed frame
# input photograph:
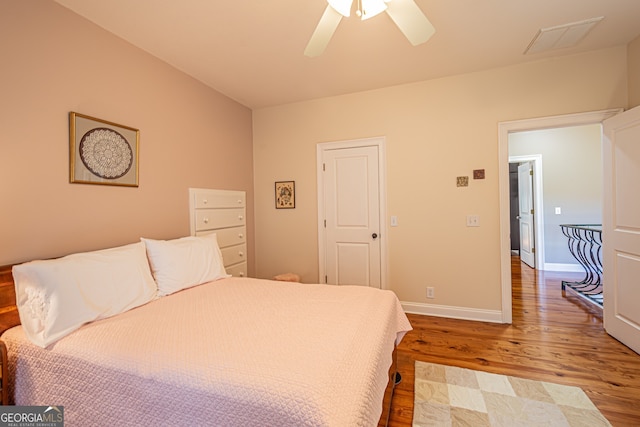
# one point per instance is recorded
(8, 310)
(9, 318)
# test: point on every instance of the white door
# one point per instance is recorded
(621, 227)
(352, 216)
(525, 214)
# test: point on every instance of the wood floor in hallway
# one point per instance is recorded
(554, 337)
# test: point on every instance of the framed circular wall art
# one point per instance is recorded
(102, 152)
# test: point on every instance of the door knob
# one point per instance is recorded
(374, 235)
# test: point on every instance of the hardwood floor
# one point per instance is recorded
(554, 337)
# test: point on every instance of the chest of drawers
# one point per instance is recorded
(222, 212)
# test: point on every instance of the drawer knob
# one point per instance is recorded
(240, 217)
(241, 274)
(205, 201)
(240, 235)
(241, 253)
(239, 201)
(206, 220)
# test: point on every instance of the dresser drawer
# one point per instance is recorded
(213, 199)
(209, 219)
(238, 270)
(234, 254)
(228, 236)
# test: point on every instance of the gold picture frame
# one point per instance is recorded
(102, 152)
(285, 194)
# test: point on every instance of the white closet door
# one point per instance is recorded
(351, 196)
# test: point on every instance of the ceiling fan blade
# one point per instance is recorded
(323, 32)
(410, 20)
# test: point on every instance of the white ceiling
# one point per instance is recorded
(252, 50)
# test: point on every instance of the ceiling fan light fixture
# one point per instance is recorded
(370, 8)
(343, 7)
(406, 14)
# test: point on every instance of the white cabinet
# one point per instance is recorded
(222, 212)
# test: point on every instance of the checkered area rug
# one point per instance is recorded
(451, 396)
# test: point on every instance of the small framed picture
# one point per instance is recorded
(102, 152)
(285, 194)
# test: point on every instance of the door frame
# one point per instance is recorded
(380, 143)
(538, 205)
(504, 129)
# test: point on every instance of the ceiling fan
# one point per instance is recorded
(405, 13)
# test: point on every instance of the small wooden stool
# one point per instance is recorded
(287, 277)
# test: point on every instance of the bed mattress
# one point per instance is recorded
(233, 352)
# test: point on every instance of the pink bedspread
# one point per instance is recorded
(236, 352)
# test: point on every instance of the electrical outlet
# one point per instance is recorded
(431, 293)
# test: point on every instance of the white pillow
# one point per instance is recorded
(182, 263)
(56, 297)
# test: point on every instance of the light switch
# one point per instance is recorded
(473, 221)
(394, 221)
(558, 211)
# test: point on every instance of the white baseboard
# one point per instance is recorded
(553, 266)
(464, 313)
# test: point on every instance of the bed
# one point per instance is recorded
(171, 346)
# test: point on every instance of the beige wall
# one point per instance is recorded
(633, 53)
(54, 62)
(191, 136)
(435, 130)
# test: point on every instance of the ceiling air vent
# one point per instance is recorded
(561, 36)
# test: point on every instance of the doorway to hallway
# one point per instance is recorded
(507, 131)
